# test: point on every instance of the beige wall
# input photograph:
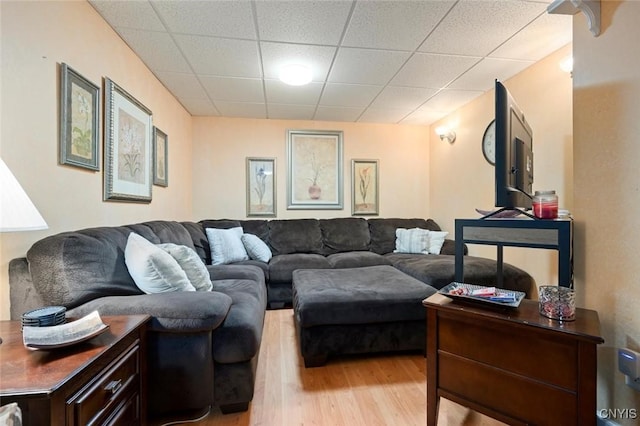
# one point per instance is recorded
(461, 179)
(35, 38)
(220, 146)
(607, 204)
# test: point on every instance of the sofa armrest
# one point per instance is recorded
(176, 312)
(449, 247)
(236, 272)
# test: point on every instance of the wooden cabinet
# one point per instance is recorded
(512, 364)
(98, 382)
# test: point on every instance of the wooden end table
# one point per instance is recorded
(514, 365)
(100, 381)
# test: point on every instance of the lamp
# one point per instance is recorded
(295, 75)
(446, 134)
(17, 212)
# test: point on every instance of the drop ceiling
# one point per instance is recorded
(409, 62)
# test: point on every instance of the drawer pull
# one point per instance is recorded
(113, 386)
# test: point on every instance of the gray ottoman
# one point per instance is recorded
(358, 310)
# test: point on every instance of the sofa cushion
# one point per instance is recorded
(256, 248)
(436, 241)
(200, 241)
(439, 270)
(344, 234)
(153, 269)
(191, 264)
(257, 227)
(281, 267)
(239, 339)
(226, 245)
(383, 231)
(356, 259)
(295, 236)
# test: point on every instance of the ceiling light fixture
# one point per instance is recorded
(446, 134)
(295, 75)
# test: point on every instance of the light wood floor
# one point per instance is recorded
(370, 390)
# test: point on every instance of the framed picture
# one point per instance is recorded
(127, 147)
(160, 157)
(364, 188)
(79, 120)
(314, 178)
(261, 186)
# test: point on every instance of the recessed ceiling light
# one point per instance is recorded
(295, 75)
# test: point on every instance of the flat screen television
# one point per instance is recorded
(514, 153)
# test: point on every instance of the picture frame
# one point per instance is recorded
(160, 158)
(128, 171)
(79, 131)
(314, 169)
(261, 187)
(365, 199)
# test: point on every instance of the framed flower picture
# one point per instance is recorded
(127, 147)
(365, 199)
(79, 120)
(261, 187)
(160, 157)
(314, 178)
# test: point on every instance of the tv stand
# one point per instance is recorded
(544, 234)
(509, 209)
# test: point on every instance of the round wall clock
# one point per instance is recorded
(489, 143)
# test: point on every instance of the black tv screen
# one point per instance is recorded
(514, 153)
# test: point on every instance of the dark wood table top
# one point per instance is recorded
(586, 326)
(25, 371)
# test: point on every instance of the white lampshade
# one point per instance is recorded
(17, 212)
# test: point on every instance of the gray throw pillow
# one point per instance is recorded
(191, 264)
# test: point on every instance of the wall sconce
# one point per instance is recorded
(446, 134)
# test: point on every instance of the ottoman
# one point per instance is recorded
(358, 310)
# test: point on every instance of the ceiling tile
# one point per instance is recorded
(424, 116)
(393, 24)
(546, 34)
(325, 113)
(291, 112)
(157, 50)
(408, 98)
(383, 115)
(450, 100)
(314, 22)
(222, 57)
(199, 107)
(380, 66)
(349, 95)
(233, 89)
(478, 27)
(232, 19)
(276, 55)
(282, 93)
(241, 109)
(138, 14)
(483, 75)
(182, 85)
(434, 71)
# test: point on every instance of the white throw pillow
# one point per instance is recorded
(414, 240)
(153, 269)
(256, 248)
(191, 264)
(226, 245)
(436, 240)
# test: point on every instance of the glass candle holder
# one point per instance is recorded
(558, 303)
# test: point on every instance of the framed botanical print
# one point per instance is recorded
(160, 157)
(128, 133)
(364, 188)
(314, 169)
(261, 187)
(79, 120)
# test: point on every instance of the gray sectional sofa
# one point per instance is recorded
(204, 346)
